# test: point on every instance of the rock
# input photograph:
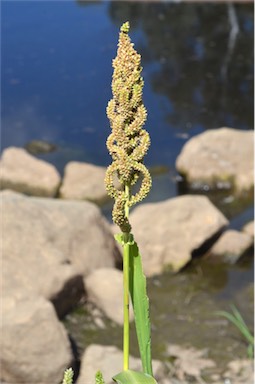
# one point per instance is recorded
(24, 173)
(189, 362)
(249, 228)
(231, 246)
(49, 245)
(108, 359)
(169, 232)
(34, 345)
(105, 289)
(219, 158)
(40, 146)
(240, 372)
(83, 181)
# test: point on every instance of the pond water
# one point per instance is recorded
(56, 73)
(198, 73)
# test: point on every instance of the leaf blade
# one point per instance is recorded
(133, 377)
(140, 303)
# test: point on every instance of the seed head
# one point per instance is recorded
(128, 142)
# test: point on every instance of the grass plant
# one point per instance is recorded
(128, 143)
(236, 319)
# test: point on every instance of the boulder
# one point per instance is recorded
(249, 228)
(108, 359)
(49, 245)
(104, 288)
(24, 173)
(169, 232)
(34, 345)
(83, 181)
(231, 246)
(221, 158)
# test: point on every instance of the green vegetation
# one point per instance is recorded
(68, 376)
(99, 378)
(236, 318)
(128, 143)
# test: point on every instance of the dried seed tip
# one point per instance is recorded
(125, 27)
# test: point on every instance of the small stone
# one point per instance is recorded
(231, 246)
(83, 181)
(21, 172)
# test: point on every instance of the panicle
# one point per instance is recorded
(128, 142)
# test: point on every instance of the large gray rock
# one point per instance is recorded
(49, 245)
(104, 288)
(83, 181)
(168, 232)
(231, 246)
(34, 345)
(24, 173)
(108, 359)
(249, 228)
(219, 158)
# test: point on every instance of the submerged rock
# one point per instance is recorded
(83, 181)
(40, 146)
(49, 245)
(104, 287)
(108, 359)
(24, 173)
(219, 158)
(231, 246)
(34, 345)
(169, 232)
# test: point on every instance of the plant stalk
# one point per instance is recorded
(126, 255)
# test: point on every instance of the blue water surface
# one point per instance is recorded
(57, 68)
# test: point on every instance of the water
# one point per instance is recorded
(198, 73)
(56, 73)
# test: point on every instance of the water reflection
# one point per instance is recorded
(56, 80)
(204, 59)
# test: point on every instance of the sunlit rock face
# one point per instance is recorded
(169, 232)
(219, 158)
(24, 173)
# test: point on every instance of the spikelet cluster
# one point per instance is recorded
(128, 142)
(68, 376)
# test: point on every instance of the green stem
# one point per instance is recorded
(126, 255)
(126, 307)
